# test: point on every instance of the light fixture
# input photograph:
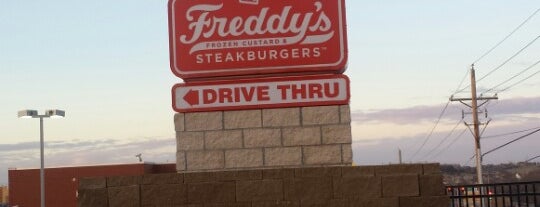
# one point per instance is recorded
(55, 113)
(27, 113)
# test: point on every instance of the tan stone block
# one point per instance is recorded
(366, 186)
(92, 197)
(346, 149)
(92, 183)
(180, 161)
(399, 169)
(308, 189)
(116, 181)
(325, 203)
(321, 155)
(425, 201)
(432, 168)
(162, 178)
(279, 173)
(179, 122)
(345, 114)
(259, 190)
(410, 202)
(358, 171)
(189, 141)
(336, 134)
(242, 158)
(262, 137)
(320, 115)
(214, 192)
(205, 160)
(163, 194)
(203, 121)
(199, 177)
(281, 117)
(435, 201)
(307, 172)
(223, 139)
(235, 204)
(283, 156)
(400, 185)
(233, 175)
(298, 136)
(276, 204)
(431, 185)
(243, 119)
(375, 202)
(126, 196)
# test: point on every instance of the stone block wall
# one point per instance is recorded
(263, 138)
(412, 185)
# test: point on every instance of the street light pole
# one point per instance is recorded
(48, 114)
(42, 167)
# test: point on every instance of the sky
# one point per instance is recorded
(106, 63)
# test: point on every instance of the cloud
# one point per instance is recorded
(418, 114)
(18, 146)
(519, 113)
(83, 152)
(70, 144)
(399, 116)
(517, 106)
(444, 147)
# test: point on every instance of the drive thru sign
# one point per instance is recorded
(219, 38)
(261, 93)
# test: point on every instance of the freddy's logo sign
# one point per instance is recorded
(215, 38)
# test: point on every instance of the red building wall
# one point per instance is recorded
(61, 183)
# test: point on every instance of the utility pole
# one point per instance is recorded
(399, 156)
(476, 132)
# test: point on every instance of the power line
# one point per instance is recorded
(461, 83)
(516, 75)
(443, 140)
(439, 119)
(503, 63)
(507, 36)
(520, 81)
(532, 158)
(509, 133)
(469, 161)
(508, 60)
(510, 142)
(499, 43)
(450, 144)
(431, 132)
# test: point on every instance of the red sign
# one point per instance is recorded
(276, 92)
(215, 38)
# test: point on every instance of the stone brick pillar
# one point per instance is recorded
(263, 138)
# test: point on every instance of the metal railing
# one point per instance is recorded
(522, 194)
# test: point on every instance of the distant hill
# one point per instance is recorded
(501, 173)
